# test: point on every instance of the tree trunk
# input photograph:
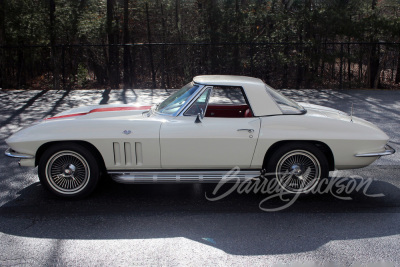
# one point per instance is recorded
(163, 48)
(178, 58)
(153, 72)
(178, 19)
(74, 61)
(127, 52)
(112, 49)
(236, 61)
(300, 63)
(52, 8)
(360, 67)
(398, 69)
(20, 67)
(380, 68)
(3, 83)
(213, 34)
(116, 52)
(349, 65)
(373, 63)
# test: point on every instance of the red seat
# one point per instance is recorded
(248, 113)
(226, 111)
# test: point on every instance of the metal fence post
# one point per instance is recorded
(63, 64)
(2, 61)
(251, 59)
(341, 67)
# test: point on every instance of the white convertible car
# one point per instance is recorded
(197, 135)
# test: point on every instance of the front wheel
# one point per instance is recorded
(298, 167)
(69, 170)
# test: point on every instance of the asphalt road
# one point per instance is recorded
(177, 225)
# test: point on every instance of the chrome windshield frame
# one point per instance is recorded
(194, 99)
(183, 107)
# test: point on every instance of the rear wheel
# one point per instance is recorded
(69, 170)
(297, 167)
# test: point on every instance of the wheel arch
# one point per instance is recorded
(324, 148)
(89, 146)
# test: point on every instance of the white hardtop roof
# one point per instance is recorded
(260, 101)
(227, 80)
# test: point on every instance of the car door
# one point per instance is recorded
(212, 143)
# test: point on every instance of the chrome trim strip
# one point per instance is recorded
(388, 151)
(194, 99)
(13, 154)
(181, 176)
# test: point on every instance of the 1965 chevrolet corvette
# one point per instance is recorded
(196, 135)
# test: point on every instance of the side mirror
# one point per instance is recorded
(199, 116)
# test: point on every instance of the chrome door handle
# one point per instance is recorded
(247, 130)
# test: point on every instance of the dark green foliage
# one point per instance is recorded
(288, 43)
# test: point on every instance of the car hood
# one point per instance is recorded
(101, 111)
(84, 123)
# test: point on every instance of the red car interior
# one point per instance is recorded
(228, 111)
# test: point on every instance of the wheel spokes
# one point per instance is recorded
(298, 171)
(67, 172)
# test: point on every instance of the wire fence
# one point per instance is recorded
(169, 65)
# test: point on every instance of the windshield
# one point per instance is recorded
(173, 103)
(287, 105)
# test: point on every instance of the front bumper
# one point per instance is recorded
(388, 151)
(25, 160)
(13, 154)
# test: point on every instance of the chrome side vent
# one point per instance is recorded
(123, 154)
(117, 154)
(128, 154)
(138, 154)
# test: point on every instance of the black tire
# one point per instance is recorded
(69, 171)
(298, 167)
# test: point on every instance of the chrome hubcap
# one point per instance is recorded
(67, 172)
(70, 170)
(298, 171)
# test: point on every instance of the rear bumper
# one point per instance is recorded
(13, 154)
(388, 151)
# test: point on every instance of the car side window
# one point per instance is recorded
(228, 102)
(200, 105)
(227, 96)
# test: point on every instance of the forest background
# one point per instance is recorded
(60, 44)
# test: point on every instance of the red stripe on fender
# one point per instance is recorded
(100, 110)
(67, 116)
(119, 109)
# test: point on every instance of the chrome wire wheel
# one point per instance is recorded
(67, 172)
(298, 171)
